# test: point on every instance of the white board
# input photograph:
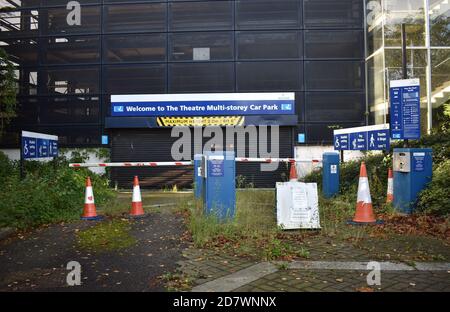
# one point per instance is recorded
(297, 205)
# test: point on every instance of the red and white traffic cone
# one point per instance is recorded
(390, 187)
(293, 172)
(136, 201)
(89, 211)
(364, 211)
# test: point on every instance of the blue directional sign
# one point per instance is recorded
(405, 109)
(378, 140)
(358, 141)
(362, 138)
(341, 142)
(39, 146)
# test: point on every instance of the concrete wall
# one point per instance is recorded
(315, 152)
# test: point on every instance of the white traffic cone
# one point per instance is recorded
(136, 201)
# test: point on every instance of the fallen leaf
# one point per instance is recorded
(340, 280)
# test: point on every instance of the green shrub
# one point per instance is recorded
(6, 167)
(377, 171)
(51, 192)
(436, 198)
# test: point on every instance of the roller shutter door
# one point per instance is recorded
(135, 145)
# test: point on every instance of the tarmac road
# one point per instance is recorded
(37, 260)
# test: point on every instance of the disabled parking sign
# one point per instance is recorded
(39, 146)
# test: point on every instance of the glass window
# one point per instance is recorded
(79, 109)
(334, 75)
(440, 85)
(268, 14)
(416, 61)
(269, 45)
(57, 21)
(335, 106)
(201, 77)
(212, 15)
(135, 79)
(135, 17)
(201, 46)
(374, 39)
(135, 48)
(21, 51)
(332, 13)
(24, 23)
(409, 12)
(334, 44)
(67, 80)
(269, 76)
(376, 89)
(71, 50)
(439, 12)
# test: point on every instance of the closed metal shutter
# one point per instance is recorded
(136, 145)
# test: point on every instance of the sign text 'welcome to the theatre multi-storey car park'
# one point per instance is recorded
(207, 104)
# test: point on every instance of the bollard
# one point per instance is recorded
(330, 174)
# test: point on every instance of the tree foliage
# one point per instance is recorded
(8, 91)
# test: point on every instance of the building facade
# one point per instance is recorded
(427, 25)
(67, 72)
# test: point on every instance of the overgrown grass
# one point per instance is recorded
(253, 232)
(51, 192)
(107, 236)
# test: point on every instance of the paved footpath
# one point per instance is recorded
(332, 276)
(341, 268)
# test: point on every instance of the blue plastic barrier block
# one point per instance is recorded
(220, 185)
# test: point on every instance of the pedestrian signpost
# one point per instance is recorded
(405, 109)
(37, 146)
(370, 138)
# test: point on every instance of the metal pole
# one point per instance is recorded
(404, 69)
(22, 169)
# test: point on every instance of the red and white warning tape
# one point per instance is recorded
(187, 163)
(269, 160)
(133, 164)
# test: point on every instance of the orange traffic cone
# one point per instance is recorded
(390, 187)
(136, 201)
(89, 212)
(364, 212)
(293, 172)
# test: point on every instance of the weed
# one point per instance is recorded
(106, 236)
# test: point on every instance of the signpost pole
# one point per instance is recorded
(22, 169)
(404, 64)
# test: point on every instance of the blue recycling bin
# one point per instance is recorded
(330, 174)
(220, 185)
(413, 169)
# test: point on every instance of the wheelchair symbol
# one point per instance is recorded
(25, 149)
